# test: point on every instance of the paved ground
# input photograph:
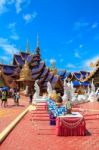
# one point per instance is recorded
(9, 113)
(39, 135)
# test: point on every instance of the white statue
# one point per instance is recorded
(49, 88)
(88, 92)
(37, 98)
(26, 90)
(92, 86)
(97, 93)
(72, 90)
(68, 91)
(81, 98)
(65, 97)
(73, 95)
(37, 90)
(86, 95)
(92, 95)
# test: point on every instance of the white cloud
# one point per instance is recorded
(29, 17)
(7, 46)
(69, 41)
(14, 36)
(18, 5)
(12, 25)
(13, 33)
(5, 58)
(94, 25)
(96, 37)
(85, 65)
(77, 55)
(69, 65)
(80, 46)
(91, 60)
(80, 24)
(4, 5)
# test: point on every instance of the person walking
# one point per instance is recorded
(4, 98)
(30, 97)
(14, 97)
(17, 98)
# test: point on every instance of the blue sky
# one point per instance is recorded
(68, 30)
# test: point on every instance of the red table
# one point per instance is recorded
(70, 125)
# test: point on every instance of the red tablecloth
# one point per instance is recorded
(70, 126)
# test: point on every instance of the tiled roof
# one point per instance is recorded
(44, 73)
(76, 83)
(77, 75)
(38, 68)
(18, 59)
(8, 69)
(24, 55)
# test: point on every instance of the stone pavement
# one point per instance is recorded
(39, 135)
(9, 113)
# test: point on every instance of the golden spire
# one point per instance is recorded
(53, 68)
(92, 64)
(26, 73)
(27, 47)
(37, 45)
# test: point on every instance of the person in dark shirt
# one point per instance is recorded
(4, 98)
(30, 97)
(17, 98)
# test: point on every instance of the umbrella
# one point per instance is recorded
(5, 88)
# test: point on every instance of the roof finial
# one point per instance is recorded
(37, 45)
(27, 47)
(37, 42)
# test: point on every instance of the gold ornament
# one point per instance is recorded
(91, 64)
(26, 73)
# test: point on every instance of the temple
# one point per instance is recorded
(27, 67)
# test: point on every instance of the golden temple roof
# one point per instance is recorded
(54, 71)
(97, 62)
(96, 65)
(92, 73)
(27, 47)
(25, 73)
